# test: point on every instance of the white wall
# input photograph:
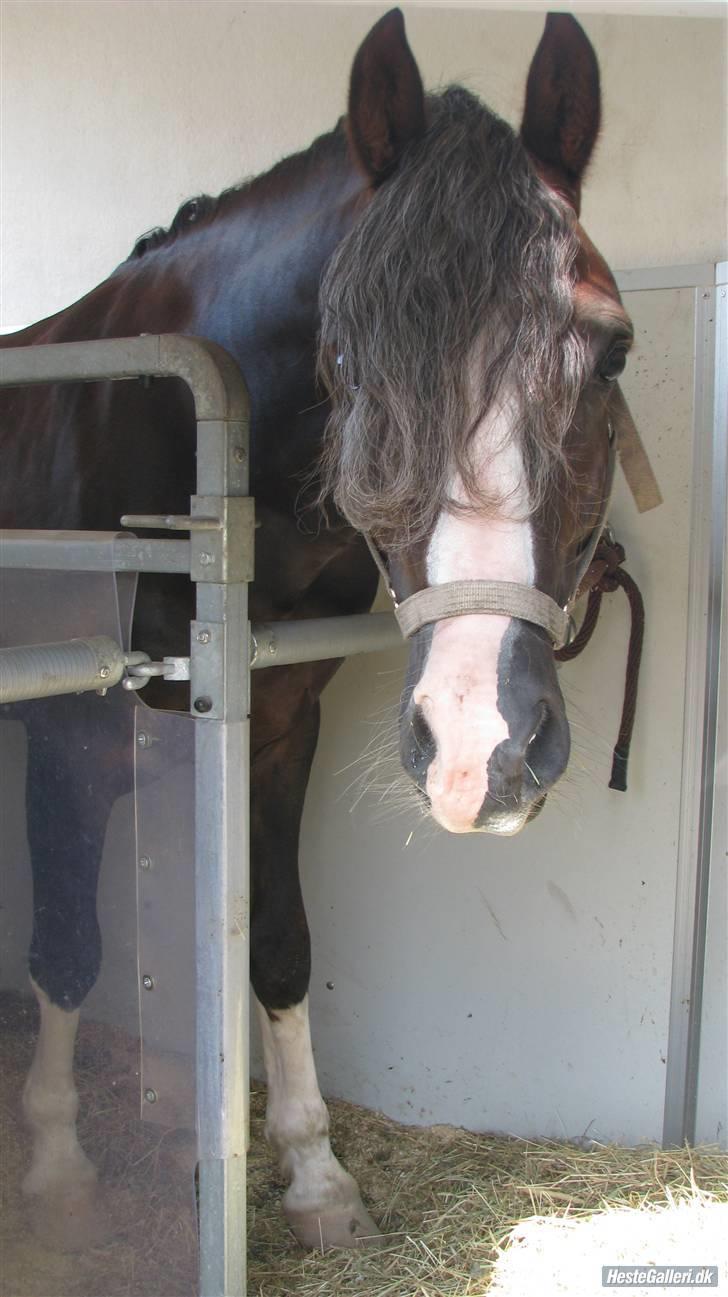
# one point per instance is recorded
(557, 943)
(115, 112)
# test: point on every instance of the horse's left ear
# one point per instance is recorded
(563, 104)
(386, 99)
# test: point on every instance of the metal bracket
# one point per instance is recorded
(225, 554)
(139, 670)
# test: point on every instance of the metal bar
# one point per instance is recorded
(707, 523)
(715, 309)
(67, 667)
(712, 1104)
(64, 550)
(220, 690)
(208, 370)
(221, 834)
(281, 643)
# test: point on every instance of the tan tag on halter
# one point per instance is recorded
(633, 457)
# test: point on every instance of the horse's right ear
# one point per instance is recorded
(561, 117)
(386, 99)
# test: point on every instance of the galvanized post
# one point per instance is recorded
(219, 676)
(708, 539)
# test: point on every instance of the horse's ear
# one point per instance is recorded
(386, 99)
(561, 117)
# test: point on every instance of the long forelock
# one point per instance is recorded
(462, 245)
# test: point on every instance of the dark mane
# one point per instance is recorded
(462, 247)
(202, 209)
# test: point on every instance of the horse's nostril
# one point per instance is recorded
(423, 736)
(419, 748)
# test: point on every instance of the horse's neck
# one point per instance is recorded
(249, 280)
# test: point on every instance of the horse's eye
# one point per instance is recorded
(613, 364)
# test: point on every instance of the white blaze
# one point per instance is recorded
(458, 690)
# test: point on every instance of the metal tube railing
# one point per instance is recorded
(221, 742)
(218, 559)
(80, 666)
(69, 551)
(280, 643)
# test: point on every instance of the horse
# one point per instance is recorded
(431, 345)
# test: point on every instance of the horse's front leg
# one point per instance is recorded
(61, 1182)
(71, 784)
(322, 1203)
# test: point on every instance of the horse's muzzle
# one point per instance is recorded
(486, 759)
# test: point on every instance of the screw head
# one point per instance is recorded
(203, 637)
(105, 672)
(205, 558)
(150, 1095)
(145, 862)
(143, 740)
(148, 982)
(203, 704)
(329, 986)
(239, 455)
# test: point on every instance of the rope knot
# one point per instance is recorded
(602, 573)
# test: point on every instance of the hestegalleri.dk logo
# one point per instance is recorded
(659, 1276)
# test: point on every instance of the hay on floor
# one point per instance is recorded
(463, 1214)
(455, 1204)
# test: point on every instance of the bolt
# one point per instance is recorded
(239, 455)
(143, 740)
(145, 862)
(105, 672)
(205, 558)
(203, 704)
(329, 986)
(148, 982)
(203, 637)
(272, 646)
(150, 1096)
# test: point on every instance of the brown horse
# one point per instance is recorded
(430, 343)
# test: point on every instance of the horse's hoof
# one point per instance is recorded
(69, 1221)
(330, 1227)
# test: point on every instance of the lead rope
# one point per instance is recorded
(604, 575)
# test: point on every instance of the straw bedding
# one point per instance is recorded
(464, 1214)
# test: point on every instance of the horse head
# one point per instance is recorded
(471, 338)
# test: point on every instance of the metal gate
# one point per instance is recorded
(203, 757)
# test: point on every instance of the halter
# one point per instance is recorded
(510, 598)
(458, 598)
